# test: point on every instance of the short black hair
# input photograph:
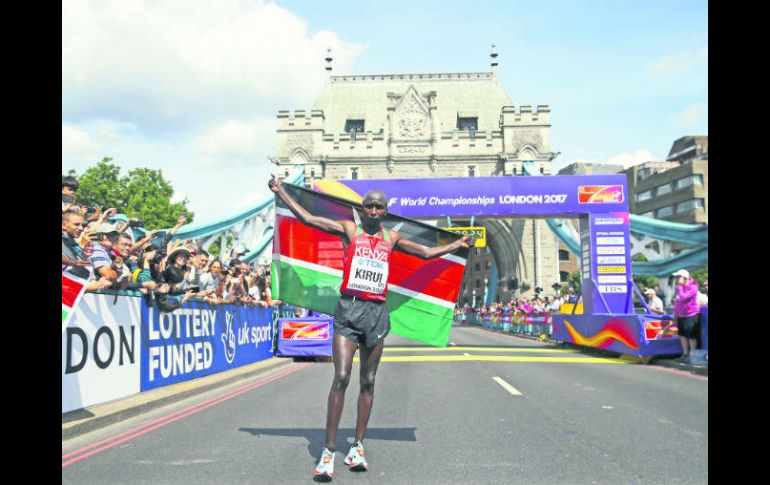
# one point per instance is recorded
(173, 275)
(202, 251)
(70, 181)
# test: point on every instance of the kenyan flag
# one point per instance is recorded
(307, 267)
(72, 289)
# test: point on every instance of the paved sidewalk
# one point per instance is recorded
(75, 423)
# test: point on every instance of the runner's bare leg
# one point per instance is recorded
(370, 360)
(343, 350)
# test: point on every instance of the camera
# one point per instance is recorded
(135, 223)
(160, 240)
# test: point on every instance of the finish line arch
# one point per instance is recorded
(599, 202)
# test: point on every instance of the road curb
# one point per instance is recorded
(81, 421)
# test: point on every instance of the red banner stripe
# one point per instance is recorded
(70, 289)
(437, 277)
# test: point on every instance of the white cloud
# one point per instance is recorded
(680, 62)
(191, 87)
(76, 145)
(691, 115)
(236, 142)
(630, 159)
(170, 64)
(626, 159)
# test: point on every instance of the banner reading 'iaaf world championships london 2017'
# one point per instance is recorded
(492, 196)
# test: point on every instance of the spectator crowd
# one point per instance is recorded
(100, 247)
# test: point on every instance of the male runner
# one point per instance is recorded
(362, 318)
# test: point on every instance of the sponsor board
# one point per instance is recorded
(610, 250)
(612, 288)
(100, 351)
(310, 336)
(611, 269)
(611, 260)
(197, 340)
(659, 329)
(305, 330)
(605, 241)
(609, 221)
(611, 279)
(600, 194)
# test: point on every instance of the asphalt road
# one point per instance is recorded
(439, 417)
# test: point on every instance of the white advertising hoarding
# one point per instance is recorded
(101, 351)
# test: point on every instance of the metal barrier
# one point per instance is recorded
(534, 324)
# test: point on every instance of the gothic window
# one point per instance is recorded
(468, 124)
(471, 170)
(354, 173)
(354, 127)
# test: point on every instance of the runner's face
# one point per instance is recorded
(375, 206)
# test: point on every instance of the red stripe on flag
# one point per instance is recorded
(70, 289)
(309, 244)
(437, 277)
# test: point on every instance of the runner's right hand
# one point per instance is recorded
(274, 183)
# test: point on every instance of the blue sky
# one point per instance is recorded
(193, 86)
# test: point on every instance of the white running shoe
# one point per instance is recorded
(355, 459)
(324, 472)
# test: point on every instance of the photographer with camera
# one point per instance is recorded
(128, 263)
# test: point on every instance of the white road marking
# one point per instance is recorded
(452, 343)
(467, 354)
(507, 386)
(606, 407)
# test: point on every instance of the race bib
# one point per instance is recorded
(369, 271)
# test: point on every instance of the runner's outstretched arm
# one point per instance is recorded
(322, 223)
(409, 247)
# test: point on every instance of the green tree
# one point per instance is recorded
(143, 194)
(101, 186)
(148, 198)
(700, 275)
(214, 250)
(643, 282)
(573, 280)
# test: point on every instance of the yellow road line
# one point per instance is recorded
(498, 358)
(475, 349)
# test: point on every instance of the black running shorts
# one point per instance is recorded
(365, 322)
(688, 326)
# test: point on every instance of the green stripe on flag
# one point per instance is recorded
(63, 315)
(309, 288)
(410, 317)
(419, 320)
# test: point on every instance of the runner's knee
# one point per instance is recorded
(367, 383)
(341, 380)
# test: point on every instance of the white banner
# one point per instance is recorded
(101, 351)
